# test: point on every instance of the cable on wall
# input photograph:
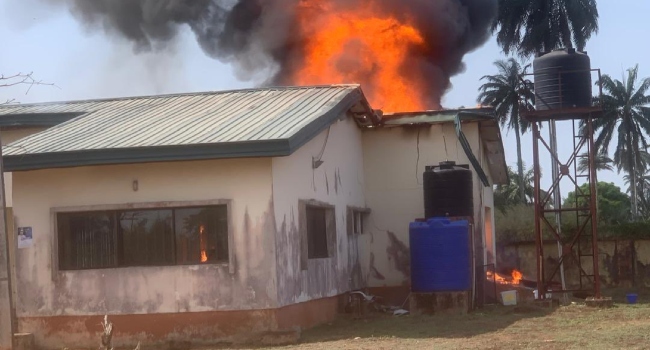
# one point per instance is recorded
(417, 162)
(317, 161)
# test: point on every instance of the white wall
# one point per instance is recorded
(247, 182)
(339, 181)
(394, 169)
(8, 136)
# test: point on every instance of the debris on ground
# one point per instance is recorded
(360, 302)
(106, 338)
(400, 312)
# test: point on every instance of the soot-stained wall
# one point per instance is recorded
(337, 183)
(394, 161)
(248, 282)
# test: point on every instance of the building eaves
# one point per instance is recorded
(437, 116)
(36, 119)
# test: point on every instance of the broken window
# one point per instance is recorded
(151, 237)
(317, 232)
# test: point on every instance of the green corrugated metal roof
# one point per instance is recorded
(227, 124)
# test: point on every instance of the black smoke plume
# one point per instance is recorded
(255, 35)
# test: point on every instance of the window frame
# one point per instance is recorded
(330, 227)
(362, 214)
(135, 207)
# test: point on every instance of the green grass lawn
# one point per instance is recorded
(569, 327)
(523, 327)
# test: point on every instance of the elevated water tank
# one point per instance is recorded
(448, 191)
(562, 80)
(440, 256)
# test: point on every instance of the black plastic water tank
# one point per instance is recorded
(562, 80)
(448, 191)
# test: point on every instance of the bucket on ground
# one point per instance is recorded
(631, 298)
(548, 295)
(509, 297)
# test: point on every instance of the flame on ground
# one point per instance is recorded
(514, 279)
(362, 44)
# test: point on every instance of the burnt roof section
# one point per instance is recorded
(226, 124)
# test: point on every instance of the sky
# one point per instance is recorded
(45, 39)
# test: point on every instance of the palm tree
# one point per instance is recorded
(644, 197)
(642, 201)
(531, 26)
(508, 93)
(602, 162)
(627, 111)
(642, 180)
(509, 195)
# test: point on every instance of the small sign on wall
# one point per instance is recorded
(24, 237)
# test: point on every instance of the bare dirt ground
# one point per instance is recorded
(497, 327)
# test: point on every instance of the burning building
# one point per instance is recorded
(205, 216)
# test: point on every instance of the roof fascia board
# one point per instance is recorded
(439, 117)
(201, 93)
(273, 148)
(501, 154)
(36, 119)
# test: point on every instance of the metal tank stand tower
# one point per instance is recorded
(563, 93)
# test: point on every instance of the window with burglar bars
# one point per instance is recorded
(147, 237)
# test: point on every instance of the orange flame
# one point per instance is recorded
(361, 45)
(514, 279)
(202, 243)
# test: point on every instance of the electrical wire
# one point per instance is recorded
(444, 139)
(319, 158)
(322, 151)
(417, 162)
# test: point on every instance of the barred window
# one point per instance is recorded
(148, 237)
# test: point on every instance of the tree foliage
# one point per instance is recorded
(509, 195)
(602, 162)
(613, 205)
(531, 26)
(26, 79)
